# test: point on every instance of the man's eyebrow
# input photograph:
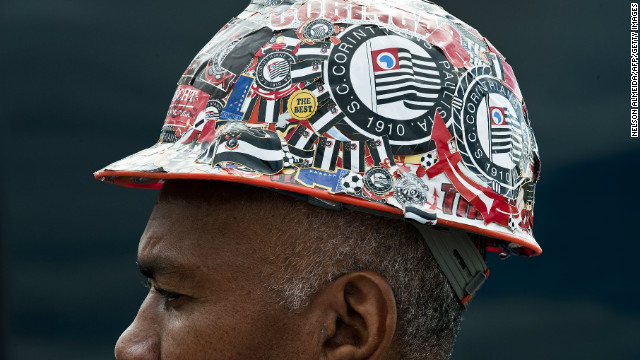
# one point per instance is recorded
(146, 270)
(150, 268)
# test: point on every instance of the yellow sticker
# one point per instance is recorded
(413, 159)
(302, 104)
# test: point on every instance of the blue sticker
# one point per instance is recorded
(329, 180)
(233, 109)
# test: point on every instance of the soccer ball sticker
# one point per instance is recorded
(429, 159)
(351, 183)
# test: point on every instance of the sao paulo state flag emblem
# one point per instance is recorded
(385, 59)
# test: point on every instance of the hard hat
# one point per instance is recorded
(394, 107)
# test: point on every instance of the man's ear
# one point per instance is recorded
(359, 316)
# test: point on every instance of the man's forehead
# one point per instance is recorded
(204, 223)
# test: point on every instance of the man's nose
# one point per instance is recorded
(141, 340)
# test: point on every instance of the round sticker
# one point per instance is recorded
(378, 180)
(302, 104)
(273, 71)
(317, 30)
(389, 85)
(494, 139)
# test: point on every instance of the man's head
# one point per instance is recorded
(239, 272)
(388, 107)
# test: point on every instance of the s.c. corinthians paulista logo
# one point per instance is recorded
(389, 84)
(494, 138)
(273, 70)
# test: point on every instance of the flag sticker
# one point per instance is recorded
(326, 154)
(323, 179)
(326, 117)
(233, 109)
(301, 138)
(268, 111)
(380, 151)
(306, 70)
(259, 150)
(318, 51)
(319, 90)
(353, 156)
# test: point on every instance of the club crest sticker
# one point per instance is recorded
(410, 190)
(215, 74)
(378, 180)
(494, 138)
(389, 85)
(317, 30)
(273, 71)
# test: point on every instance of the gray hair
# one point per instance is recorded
(319, 245)
(328, 244)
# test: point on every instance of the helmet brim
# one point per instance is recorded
(142, 170)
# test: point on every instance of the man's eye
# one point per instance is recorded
(169, 296)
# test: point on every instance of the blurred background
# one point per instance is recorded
(84, 83)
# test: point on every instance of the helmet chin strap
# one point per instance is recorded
(455, 252)
(457, 255)
(459, 259)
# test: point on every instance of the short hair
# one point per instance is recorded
(320, 245)
(429, 313)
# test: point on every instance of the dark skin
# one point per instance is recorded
(208, 299)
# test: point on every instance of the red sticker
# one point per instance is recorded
(185, 106)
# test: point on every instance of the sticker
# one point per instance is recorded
(326, 117)
(233, 109)
(269, 110)
(387, 84)
(256, 149)
(353, 155)
(306, 71)
(301, 138)
(410, 190)
(213, 110)
(380, 152)
(493, 137)
(378, 180)
(419, 216)
(473, 44)
(329, 180)
(186, 104)
(168, 134)
(273, 71)
(302, 104)
(290, 159)
(429, 159)
(454, 204)
(215, 74)
(492, 206)
(319, 90)
(283, 41)
(326, 154)
(319, 51)
(352, 183)
(316, 30)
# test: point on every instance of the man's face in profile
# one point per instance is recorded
(238, 272)
(207, 298)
